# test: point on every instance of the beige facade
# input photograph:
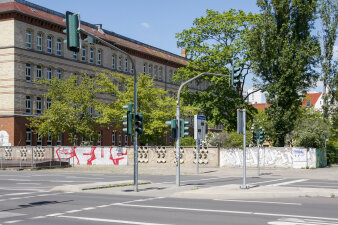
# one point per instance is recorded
(32, 46)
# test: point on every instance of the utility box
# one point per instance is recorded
(199, 127)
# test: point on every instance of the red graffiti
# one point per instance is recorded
(92, 156)
(117, 160)
(65, 151)
(102, 152)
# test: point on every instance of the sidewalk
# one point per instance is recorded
(218, 192)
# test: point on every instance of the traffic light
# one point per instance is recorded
(254, 136)
(184, 128)
(173, 125)
(235, 76)
(128, 119)
(73, 36)
(139, 123)
(261, 136)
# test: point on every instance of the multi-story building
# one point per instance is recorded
(32, 46)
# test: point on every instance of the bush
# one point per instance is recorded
(187, 141)
(332, 151)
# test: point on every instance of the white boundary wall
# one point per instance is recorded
(269, 157)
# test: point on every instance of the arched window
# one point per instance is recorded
(38, 72)
(28, 72)
(39, 39)
(59, 47)
(113, 62)
(49, 44)
(29, 39)
(126, 65)
(99, 57)
(160, 73)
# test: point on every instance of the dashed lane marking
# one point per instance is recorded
(296, 221)
(112, 221)
(267, 181)
(288, 182)
(13, 221)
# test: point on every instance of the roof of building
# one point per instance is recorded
(49, 15)
(260, 106)
(312, 97)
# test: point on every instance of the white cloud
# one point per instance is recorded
(146, 25)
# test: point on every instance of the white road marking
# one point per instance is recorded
(138, 200)
(102, 206)
(183, 181)
(294, 221)
(288, 182)
(267, 181)
(112, 221)
(38, 217)
(227, 211)
(29, 183)
(55, 214)
(20, 193)
(305, 185)
(89, 208)
(13, 221)
(263, 202)
(73, 211)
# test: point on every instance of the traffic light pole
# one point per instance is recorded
(178, 132)
(135, 99)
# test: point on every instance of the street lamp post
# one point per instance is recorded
(178, 158)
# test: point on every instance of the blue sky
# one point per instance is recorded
(154, 22)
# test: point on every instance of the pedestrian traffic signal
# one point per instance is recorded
(139, 123)
(184, 128)
(173, 125)
(235, 76)
(73, 36)
(261, 135)
(128, 119)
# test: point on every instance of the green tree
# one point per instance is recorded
(72, 99)
(214, 44)
(329, 18)
(155, 104)
(284, 53)
(310, 130)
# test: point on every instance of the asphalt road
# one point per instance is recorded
(25, 199)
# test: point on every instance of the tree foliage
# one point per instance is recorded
(284, 53)
(214, 44)
(329, 18)
(311, 130)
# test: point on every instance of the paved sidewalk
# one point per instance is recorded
(218, 192)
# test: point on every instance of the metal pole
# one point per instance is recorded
(258, 166)
(197, 155)
(244, 186)
(178, 158)
(32, 156)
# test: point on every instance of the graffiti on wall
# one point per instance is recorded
(269, 157)
(94, 155)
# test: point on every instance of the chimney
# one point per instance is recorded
(183, 53)
(99, 28)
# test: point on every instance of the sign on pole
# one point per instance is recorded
(240, 124)
(199, 127)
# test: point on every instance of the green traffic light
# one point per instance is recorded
(73, 36)
(184, 128)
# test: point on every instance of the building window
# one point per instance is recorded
(99, 139)
(308, 103)
(120, 63)
(58, 47)
(48, 103)
(144, 68)
(28, 105)
(170, 78)
(99, 57)
(58, 74)
(59, 140)
(49, 139)
(49, 44)
(28, 39)
(150, 70)
(113, 63)
(126, 65)
(49, 73)
(160, 74)
(39, 42)
(28, 136)
(113, 139)
(38, 105)
(28, 72)
(39, 140)
(126, 140)
(91, 55)
(38, 72)
(120, 139)
(75, 55)
(155, 72)
(132, 68)
(83, 53)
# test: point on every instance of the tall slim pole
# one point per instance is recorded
(244, 186)
(197, 155)
(178, 153)
(135, 133)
